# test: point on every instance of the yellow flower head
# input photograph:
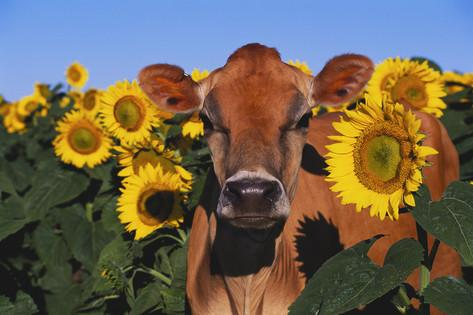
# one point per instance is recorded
(89, 102)
(193, 127)
(81, 141)
(150, 200)
(128, 114)
(77, 75)
(303, 66)
(4, 109)
(454, 82)
(376, 159)
(42, 91)
(29, 104)
(410, 83)
(13, 121)
(198, 75)
(132, 159)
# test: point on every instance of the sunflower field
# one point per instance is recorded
(98, 188)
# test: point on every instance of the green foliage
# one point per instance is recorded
(23, 305)
(450, 295)
(350, 279)
(64, 248)
(450, 219)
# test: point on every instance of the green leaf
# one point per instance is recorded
(64, 302)
(24, 305)
(52, 187)
(6, 307)
(20, 173)
(12, 217)
(458, 96)
(85, 239)
(50, 246)
(147, 298)
(174, 301)
(450, 219)
(450, 295)
(456, 123)
(178, 260)
(350, 279)
(6, 183)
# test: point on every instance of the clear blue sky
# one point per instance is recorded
(114, 39)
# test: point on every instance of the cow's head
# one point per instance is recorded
(256, 110)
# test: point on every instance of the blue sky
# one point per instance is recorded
(114, 39)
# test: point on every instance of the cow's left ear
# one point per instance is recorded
(341, 79)
(170, 88)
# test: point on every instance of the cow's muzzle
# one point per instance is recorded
(253, 200)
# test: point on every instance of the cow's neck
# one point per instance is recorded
(250, 263)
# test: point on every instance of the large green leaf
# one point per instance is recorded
(50, 246)
(23, 305)
(350, 279)
(452, 296)
(85, 239)
(148, 297)
(52, 187)
(450, 219)
(12, 217)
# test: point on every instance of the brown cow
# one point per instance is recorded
(248, 253)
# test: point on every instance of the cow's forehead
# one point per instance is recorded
(251, 89)
(261, 96)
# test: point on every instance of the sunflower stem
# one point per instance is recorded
(182, 235)
(155, 274)
(424, 275)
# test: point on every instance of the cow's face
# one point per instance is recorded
(256, 110)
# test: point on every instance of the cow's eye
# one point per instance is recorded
(303, 122)
(207, 123)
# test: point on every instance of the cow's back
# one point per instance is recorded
(316, 207)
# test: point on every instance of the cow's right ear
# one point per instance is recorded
(170, 88)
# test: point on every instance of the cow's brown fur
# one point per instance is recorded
(253, 101)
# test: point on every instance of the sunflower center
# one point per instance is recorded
(74, 74)
(90, 99)
(383, 154)
(382, 157)
(155, 206)
(84, 140)
(410, 90)
(129, 113)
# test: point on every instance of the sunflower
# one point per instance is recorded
(13, 121)
(193, 127)
(4, 109)
(77, 75)
(81, 141)
(132, 159)
(198, 75)
(456, 82)
(376, 160)
(150, 200)
(89, 102)
(301, 65)
(127, 113)
(42, 91)
(28, 104)
(410, 83)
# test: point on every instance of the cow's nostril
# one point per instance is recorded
(271, 190)
(232, 191)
